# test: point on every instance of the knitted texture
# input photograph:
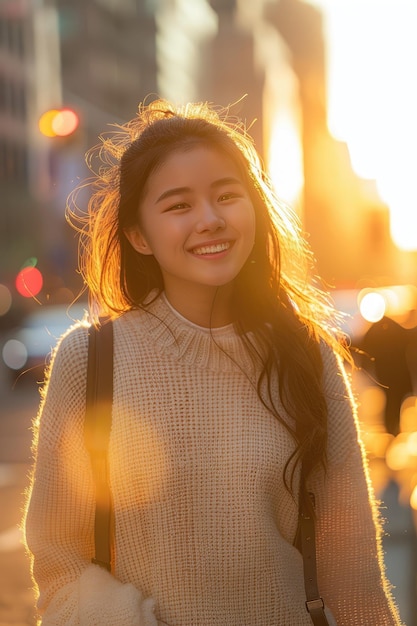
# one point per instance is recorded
(204, 526)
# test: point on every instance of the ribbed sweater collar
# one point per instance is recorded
(217, 349)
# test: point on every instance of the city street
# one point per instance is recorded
(18, 406)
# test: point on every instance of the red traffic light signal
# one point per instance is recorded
(58, 122)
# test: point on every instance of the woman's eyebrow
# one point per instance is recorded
(173, 192)
(227, 180)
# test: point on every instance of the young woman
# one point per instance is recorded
(228, 378)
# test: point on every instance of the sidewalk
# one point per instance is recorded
(16, 595)
(17, 409)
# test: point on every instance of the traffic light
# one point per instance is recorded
(58, 122)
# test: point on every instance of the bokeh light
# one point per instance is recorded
(58, 122)
(46, 123)
(65, 122)
(397, 302)
(29, 282)
(398, 453)
(408, 415)
(14, 354)
(5, 299)
(372, 306)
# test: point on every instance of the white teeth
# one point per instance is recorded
(220, 247)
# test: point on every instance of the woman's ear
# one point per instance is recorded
(137, 240)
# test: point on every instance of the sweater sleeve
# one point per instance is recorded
(59, 520)
(349, 551)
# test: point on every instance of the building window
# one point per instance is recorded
(13, 162)
(12, 36)
(12, 97)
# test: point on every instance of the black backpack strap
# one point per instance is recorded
(99, 399)
(307, 546)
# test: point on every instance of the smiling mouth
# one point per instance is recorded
(214, 249)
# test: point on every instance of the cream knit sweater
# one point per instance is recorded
(204, 524)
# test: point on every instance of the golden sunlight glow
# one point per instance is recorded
(413, 499)
(372, 100)
(282, 132)
(285, 158)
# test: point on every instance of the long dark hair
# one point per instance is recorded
(276, 295)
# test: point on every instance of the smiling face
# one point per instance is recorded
(196, 218)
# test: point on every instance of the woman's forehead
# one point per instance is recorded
(193, 168)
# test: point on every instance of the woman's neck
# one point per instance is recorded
(206, 308)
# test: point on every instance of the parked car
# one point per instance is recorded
(26, 349)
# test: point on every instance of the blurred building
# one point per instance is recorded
(341, 212)
(108, 59)
(230, 73)
(16, 221)
(99, 59)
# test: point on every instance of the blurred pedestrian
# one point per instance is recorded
(385, 348)
(230, 398)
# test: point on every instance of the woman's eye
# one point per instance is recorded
(227, 196)
(177, 207)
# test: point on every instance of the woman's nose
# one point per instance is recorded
(209, 219)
